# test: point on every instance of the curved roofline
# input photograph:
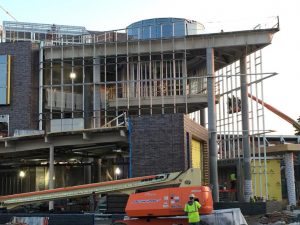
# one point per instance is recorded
(157, 18)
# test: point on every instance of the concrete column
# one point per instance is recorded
(96, 97)
(239, 183)
(88, 171)
(41, 55)
(88, 100)
(132, 84)
(51, 173)
(290, 178)
(202, 117)
(63, 176)
(212, 130)
(245, 127)
(99, 165)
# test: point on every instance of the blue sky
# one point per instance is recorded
(282, 56)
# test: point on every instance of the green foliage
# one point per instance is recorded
(297, 132)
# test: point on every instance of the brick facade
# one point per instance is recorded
(158, 143)
(23, 109)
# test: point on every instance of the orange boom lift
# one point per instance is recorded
(163, 204)
(276, 111)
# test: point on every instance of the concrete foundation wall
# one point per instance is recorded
(23, 110)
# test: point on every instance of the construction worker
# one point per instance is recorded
(93, 201)
(192, 209)
(233, 181)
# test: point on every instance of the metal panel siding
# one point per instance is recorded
(197, 132)
(274, 179)
(196, 154)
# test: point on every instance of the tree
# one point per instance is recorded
(297, 131)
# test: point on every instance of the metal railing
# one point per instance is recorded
(63, 121)
(151, 32)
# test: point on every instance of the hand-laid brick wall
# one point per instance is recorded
(23, 110)
(159, 145)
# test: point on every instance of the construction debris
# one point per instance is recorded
(280, 218)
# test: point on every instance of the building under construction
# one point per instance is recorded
(162, 95)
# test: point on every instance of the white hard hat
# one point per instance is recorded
(191, 196)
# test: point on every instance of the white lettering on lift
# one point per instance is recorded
(142, 201)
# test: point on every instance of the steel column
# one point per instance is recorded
(88, 171)
(212, 130)
(96, 93)
(202, 117)
(51, 173)
(245, 127)
(41, 55)
(99, 165)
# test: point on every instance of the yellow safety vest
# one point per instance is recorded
(232, 177)
(193, 213)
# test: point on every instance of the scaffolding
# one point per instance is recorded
(229, 118)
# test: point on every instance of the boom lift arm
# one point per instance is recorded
(14, 18)
(276, 111)
(191, 177)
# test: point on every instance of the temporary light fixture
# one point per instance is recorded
(72, 75)
(117, 150)
(117, 171)
(22, 174)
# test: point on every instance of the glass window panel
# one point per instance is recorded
(3, 79)
(56, 73)
(78, 100)
(27, 35)
(3, 129)
(67, 71)
(42, 36)
(67, 99)
(3, 59)
(88, 70)
(3, 76)
(162, 20)
(88, 61)
(78, 70)
(47, 70)
(20, 35)
(2, 96)
(167, 30)
(179, 29)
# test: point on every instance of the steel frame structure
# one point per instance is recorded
(155, 82)
(229, 117)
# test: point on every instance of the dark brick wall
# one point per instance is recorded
(157, 144)
(23, 110)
